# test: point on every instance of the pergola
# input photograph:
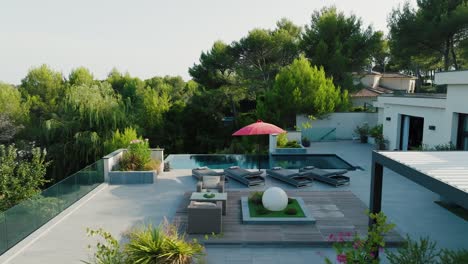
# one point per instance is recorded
(443, 172)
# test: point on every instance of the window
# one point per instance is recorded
(462, 137)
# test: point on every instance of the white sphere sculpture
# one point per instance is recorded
(275, 199)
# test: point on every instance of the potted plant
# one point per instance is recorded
(305, 142)
(377, 133)
(363, 132)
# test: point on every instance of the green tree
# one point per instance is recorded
(300, 88)
(216, 67)
(11, 103)
(429, 36)
(20, 178)
(80, 75)
(262, 53)
(44, 87)
(340, 44)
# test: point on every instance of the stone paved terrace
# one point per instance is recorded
(334, 211)
(118, 208)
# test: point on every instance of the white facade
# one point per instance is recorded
(440, 113)
(345, 123)
(371, 80)
(401, 84)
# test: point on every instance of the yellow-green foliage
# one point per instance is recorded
(121, 140)
(281, 140)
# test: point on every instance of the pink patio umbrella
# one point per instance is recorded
(258, 128)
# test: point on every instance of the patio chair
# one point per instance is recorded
(244, 176)
(211, 184)
(297, 179)
(204, 218)
(198, 173)
(335, 178)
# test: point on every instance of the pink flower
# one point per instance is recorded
(341, 258)
(357, 244)
(372, 255)
(348, 234)
(331, 237)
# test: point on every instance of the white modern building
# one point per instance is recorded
(414, 120)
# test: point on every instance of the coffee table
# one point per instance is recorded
(198, 197)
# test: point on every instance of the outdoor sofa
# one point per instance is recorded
(297, 179)
(335, 178)
(211, 184)
(204, 218)
(245, 177)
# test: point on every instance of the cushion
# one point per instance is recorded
(234, 167)
(210, 182)
(203, 204)
(309, 167)
(202, 168)
(276, 168)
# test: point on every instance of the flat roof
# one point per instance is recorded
(443, 172)
(452, 77)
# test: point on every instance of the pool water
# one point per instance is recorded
(214, 161)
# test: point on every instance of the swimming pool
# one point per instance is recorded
(221, 161)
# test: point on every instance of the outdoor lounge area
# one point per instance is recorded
(118, 208)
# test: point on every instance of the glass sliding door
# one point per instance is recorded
(462, 137)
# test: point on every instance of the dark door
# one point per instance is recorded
(462, 137)
(411, 134)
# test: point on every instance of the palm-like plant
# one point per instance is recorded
(161, 245)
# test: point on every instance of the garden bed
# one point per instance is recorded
(257, 210)
(276, 218)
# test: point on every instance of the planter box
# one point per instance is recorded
(247, 219)
(132, 177)
(300, 150)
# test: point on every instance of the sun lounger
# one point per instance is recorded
(198, 173)
(297, 179)
(244, 176)
(335, 178)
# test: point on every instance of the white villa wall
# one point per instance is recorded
(398, 84)
(370, 80)
(345, 123)
(360, 101)
(433, 116)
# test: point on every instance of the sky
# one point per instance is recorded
(145, 38)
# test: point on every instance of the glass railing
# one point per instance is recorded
(21, 220)
(320, 133)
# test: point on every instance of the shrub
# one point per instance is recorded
(362, 249)
(291, 211)
(108, 250)
(414, 252)
(262, 211)
(163, 244)
(120, 140)
(454, 257)
(137, 156)
(305, 142)
(21, 174)
(281, 140)
(256, 198)
(148, 245)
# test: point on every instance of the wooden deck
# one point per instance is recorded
(335, 211)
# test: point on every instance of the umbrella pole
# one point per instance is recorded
(258, 151)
